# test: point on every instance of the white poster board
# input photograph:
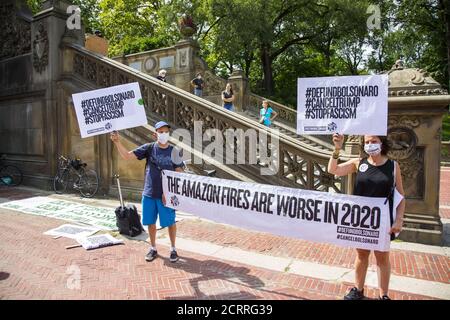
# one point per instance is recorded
(99, 241)
(72, 231)
(346, 105)
(109, 109)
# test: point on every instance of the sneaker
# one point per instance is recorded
(385, 297)
(173, 256)
(354, 294)
(151, 255)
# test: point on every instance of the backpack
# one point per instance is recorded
(127, 218)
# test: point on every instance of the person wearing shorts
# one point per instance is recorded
(159, 156)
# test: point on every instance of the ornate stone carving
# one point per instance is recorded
(412, 170)
(403, 142)
(16, 32)
(406, 121)
(150, 64)
(91, 70)
(185, 115)
(158, 102)
(208, 121)
(78, 65)
(183, 58)
(40, 48)
(214, 85)
(104, 76)
(412, 82)
(297, 167)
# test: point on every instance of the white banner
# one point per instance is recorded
(345, 220)
(105, 110)
(346, 105)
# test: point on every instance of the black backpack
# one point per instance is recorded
(127, 218)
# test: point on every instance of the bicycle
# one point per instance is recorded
(10, 175)
(74, 172)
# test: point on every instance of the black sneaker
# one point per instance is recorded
(354, 294)
(385, 297)
(151, 255)
(173, 256)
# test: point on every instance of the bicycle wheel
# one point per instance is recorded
(61, 181)
(11, 175)
(88, 183)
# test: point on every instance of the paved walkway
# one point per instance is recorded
(218, 262)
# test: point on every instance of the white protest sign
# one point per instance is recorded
(346, 105)
(109, 109)
(345, 220)
(72, 231)
(99, 241)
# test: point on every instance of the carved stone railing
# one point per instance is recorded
(285, 114)
(215, 84)
(300, 164)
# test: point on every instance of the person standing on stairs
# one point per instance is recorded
(198, 84)
(162, 75)
(160, 156)
(228, 97)
(266, 113)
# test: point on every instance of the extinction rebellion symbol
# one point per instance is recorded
(108, 126)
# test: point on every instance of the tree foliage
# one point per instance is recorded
(276, 41)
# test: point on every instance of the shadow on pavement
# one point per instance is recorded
(4, 276)
(216, 270)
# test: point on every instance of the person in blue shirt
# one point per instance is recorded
(266, 113)
(160, 156)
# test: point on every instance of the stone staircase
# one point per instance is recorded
(301, 160)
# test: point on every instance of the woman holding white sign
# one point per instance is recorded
(376, 176)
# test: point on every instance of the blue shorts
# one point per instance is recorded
(151, 208)
(228, 106)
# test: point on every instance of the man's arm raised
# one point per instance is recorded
(124, 153)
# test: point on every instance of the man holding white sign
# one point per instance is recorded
(109, 109)
(376, 176)
(350, 105)
(159, 156)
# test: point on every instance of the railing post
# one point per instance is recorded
(240, 86)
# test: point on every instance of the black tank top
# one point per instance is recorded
(376, 181)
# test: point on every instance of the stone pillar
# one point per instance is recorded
(48, 30)
(186, 50)
(240, 87)
(417, 104)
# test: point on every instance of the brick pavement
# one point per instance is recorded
(34, 266)
(444, 193)
(418, 265)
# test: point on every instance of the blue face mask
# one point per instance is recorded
(372, 149)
